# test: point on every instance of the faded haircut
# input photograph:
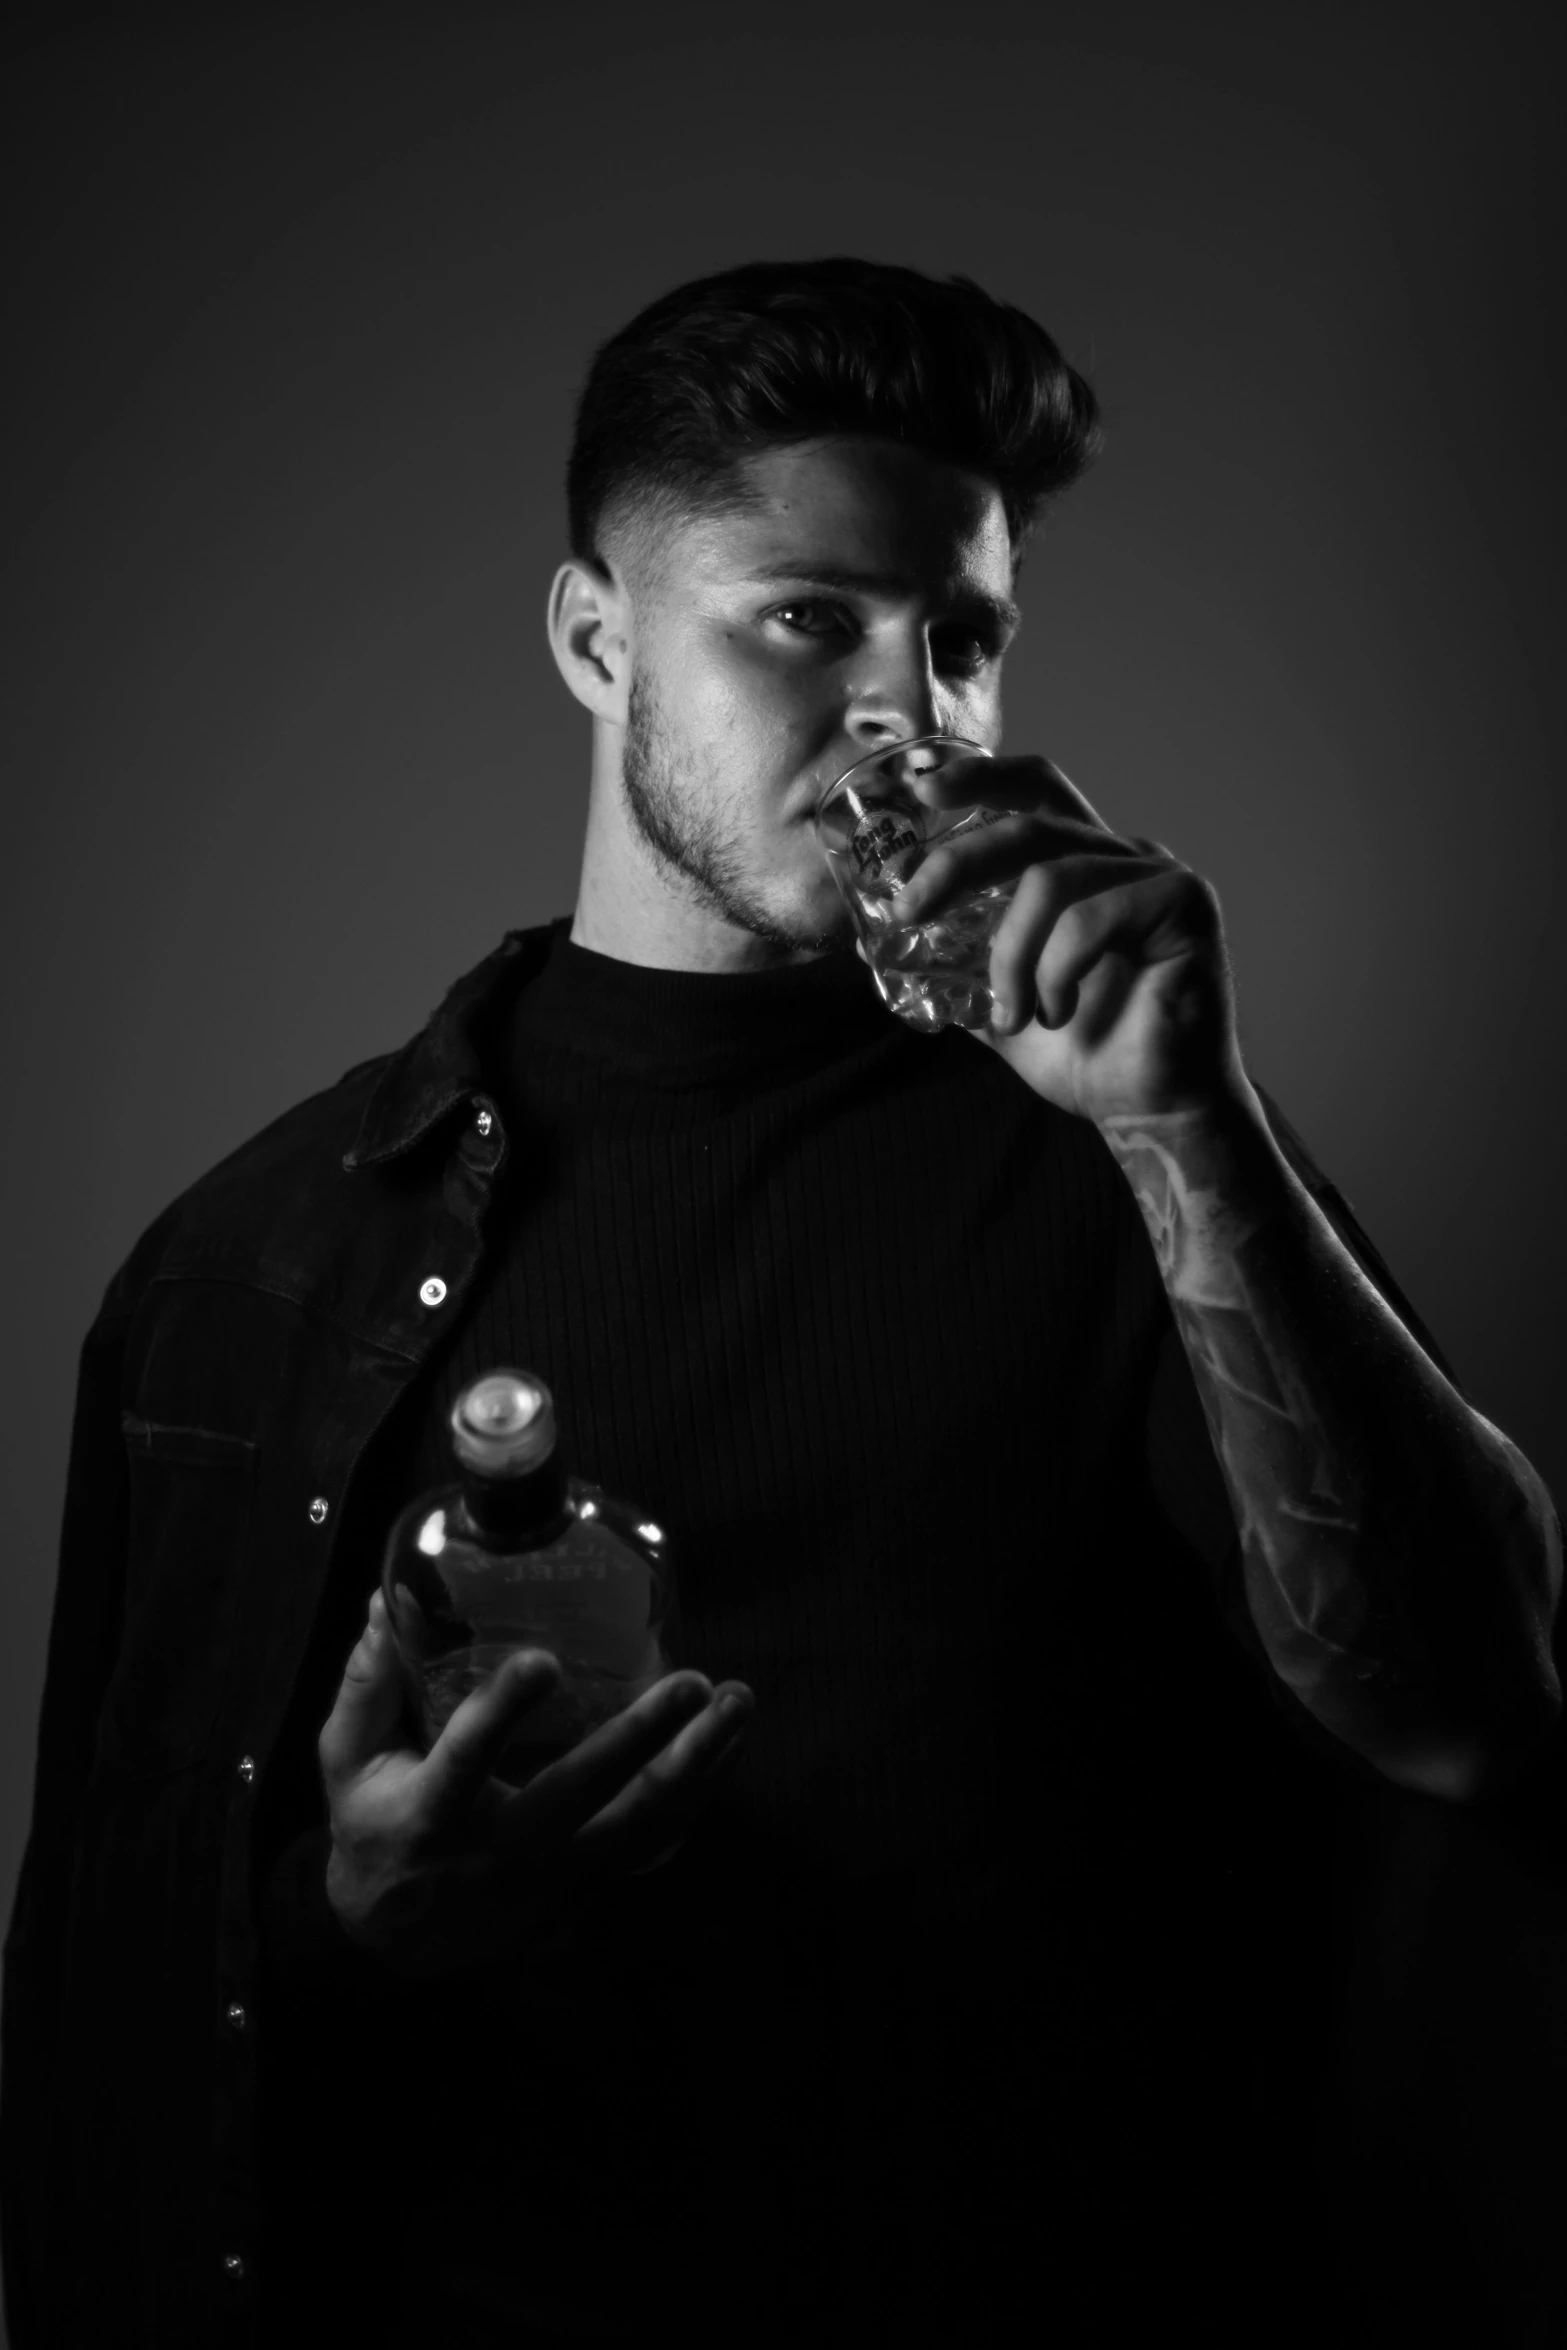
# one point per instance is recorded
(778, 352)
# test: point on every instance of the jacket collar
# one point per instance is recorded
(441, 1067)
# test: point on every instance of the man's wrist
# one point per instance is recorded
(1206, 1179)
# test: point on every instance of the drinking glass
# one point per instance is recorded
(875, 832)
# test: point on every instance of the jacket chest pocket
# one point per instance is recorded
(192, 1497)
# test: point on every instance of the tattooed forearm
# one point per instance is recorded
(1297, 1494)
(1373, 1508)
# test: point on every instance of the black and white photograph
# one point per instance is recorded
(784, 1036)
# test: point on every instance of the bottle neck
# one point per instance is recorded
(516, 1513)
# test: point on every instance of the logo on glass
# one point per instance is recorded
(881, 835)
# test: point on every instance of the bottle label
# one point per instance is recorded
(590, 1592)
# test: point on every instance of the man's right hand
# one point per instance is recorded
(437, 1868)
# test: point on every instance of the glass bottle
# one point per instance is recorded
(516, 1553)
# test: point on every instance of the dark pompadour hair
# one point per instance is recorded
(776, 352)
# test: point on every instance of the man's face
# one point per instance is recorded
(866, 598)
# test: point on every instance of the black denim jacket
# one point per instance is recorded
(245, 1354)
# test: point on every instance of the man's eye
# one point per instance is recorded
(800, 618)
(958, 651)
(962, 651)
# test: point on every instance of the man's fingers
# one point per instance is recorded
(954, 781)
(367, 1713)
(710, 1734)
(1030, 785)
(1000, 852)
(480, 1730)
(565, 1794)
(658, 1807)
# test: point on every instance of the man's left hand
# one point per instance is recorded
(1109, 969)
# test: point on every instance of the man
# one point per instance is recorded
(929, 1957)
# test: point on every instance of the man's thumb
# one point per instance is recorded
(364, 1720)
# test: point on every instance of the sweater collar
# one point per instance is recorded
(689, 1031)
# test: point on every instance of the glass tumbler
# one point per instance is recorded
(876, 831)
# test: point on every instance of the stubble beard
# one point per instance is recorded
(688, 840)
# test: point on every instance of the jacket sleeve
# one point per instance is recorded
(83, 1641)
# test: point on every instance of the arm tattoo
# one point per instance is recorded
(1401, 1558)
(1296, 1487)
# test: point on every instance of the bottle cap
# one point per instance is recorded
(504, 1424)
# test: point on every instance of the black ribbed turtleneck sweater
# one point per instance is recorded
(870, 1330)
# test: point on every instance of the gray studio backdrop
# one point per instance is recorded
(294, 338)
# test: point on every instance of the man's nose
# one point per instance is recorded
(894, 696)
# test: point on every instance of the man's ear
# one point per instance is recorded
(589, 623)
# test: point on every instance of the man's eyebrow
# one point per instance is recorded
(1001, 611)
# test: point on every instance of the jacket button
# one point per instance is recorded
(484, 1121)
(318, 1510)
(432, 1291)
(237, 2016)
(247, 1768)
(234, 2267)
